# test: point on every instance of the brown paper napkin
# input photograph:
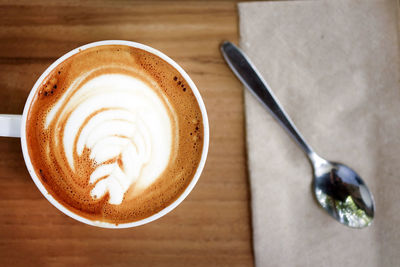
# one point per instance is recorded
(334, 66)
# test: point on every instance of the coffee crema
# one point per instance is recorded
(115, 133)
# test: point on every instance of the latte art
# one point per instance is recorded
(125, 126)
(115, 133)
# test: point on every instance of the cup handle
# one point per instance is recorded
(10, 125)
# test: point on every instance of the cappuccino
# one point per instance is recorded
(115, 133)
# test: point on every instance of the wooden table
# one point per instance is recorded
(212, 226)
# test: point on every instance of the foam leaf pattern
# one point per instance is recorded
(127, 154)
(123, 124)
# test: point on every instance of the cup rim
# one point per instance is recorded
(61, 207)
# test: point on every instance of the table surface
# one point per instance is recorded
(212, 226)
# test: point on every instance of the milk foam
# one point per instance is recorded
(124, 124)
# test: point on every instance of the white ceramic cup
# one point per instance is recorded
(15, 126)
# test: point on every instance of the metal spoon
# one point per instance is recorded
(339, 189)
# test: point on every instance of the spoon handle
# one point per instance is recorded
(249, 76)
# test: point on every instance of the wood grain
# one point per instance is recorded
(212, 226)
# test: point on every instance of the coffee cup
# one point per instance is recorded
(16, 126)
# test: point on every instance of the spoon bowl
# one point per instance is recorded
(342, 193)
